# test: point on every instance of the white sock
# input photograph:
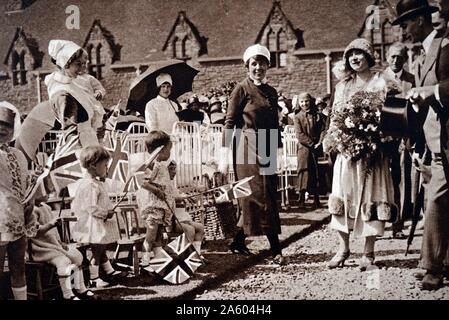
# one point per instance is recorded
(107, 267)
(197, 246)
(66, 286)
(80, 286)
(19, 293)
(93, 269)
(157, 250)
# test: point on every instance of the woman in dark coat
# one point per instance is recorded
(310, 130)
(253, 112)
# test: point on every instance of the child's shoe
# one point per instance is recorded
(87, 295)
(98, 283)
(113, 278)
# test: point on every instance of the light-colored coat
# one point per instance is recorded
(352, 188)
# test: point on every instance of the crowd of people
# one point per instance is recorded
(366, 192)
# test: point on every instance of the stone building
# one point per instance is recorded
(123, 38)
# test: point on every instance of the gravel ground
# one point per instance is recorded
(307, 277)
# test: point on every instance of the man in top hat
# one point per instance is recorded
(401, 163)
(431, 99)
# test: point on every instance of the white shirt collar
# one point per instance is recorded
(428, 41)
(394, 75)
(257, 82)
(161, 98)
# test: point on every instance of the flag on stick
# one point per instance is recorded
(141, 168)
(228, 192)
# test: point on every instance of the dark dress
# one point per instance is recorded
(310, 130)
(254, 108)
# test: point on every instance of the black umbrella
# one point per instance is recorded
(144, 88)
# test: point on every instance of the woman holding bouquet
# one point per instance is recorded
(362, 190)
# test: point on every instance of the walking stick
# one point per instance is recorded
(417, 206)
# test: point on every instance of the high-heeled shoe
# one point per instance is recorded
(239, 248)
(366, 261)
(338, 260)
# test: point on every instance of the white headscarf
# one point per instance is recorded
(162, 78)
(17, 123)
(61, 51)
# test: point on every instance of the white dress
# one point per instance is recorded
(90, 205)
(351, 184)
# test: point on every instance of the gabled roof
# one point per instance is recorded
(108, 36)
(142, 26)
(182, 18)
(297, 32)
(29, 42)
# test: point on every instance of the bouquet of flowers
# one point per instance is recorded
(355, 127)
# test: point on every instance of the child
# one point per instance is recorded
(71, 79)
(46, 246)
(92, 206)
(14, 216)
(310, 130)
(193, 230)
(88, 82)
(156, 192)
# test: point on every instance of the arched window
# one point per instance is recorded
(18, 68)
(95, 61)
(277, 44)
(22, 70)
(186, 46)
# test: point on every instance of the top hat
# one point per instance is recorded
(7, 116)
(397, 118)
(407, 9)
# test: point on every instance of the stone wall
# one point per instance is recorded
(24, 97)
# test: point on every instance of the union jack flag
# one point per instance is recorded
(176, 262)
(61, 168)
(115, 143)
(242, 188)
(236, 190)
